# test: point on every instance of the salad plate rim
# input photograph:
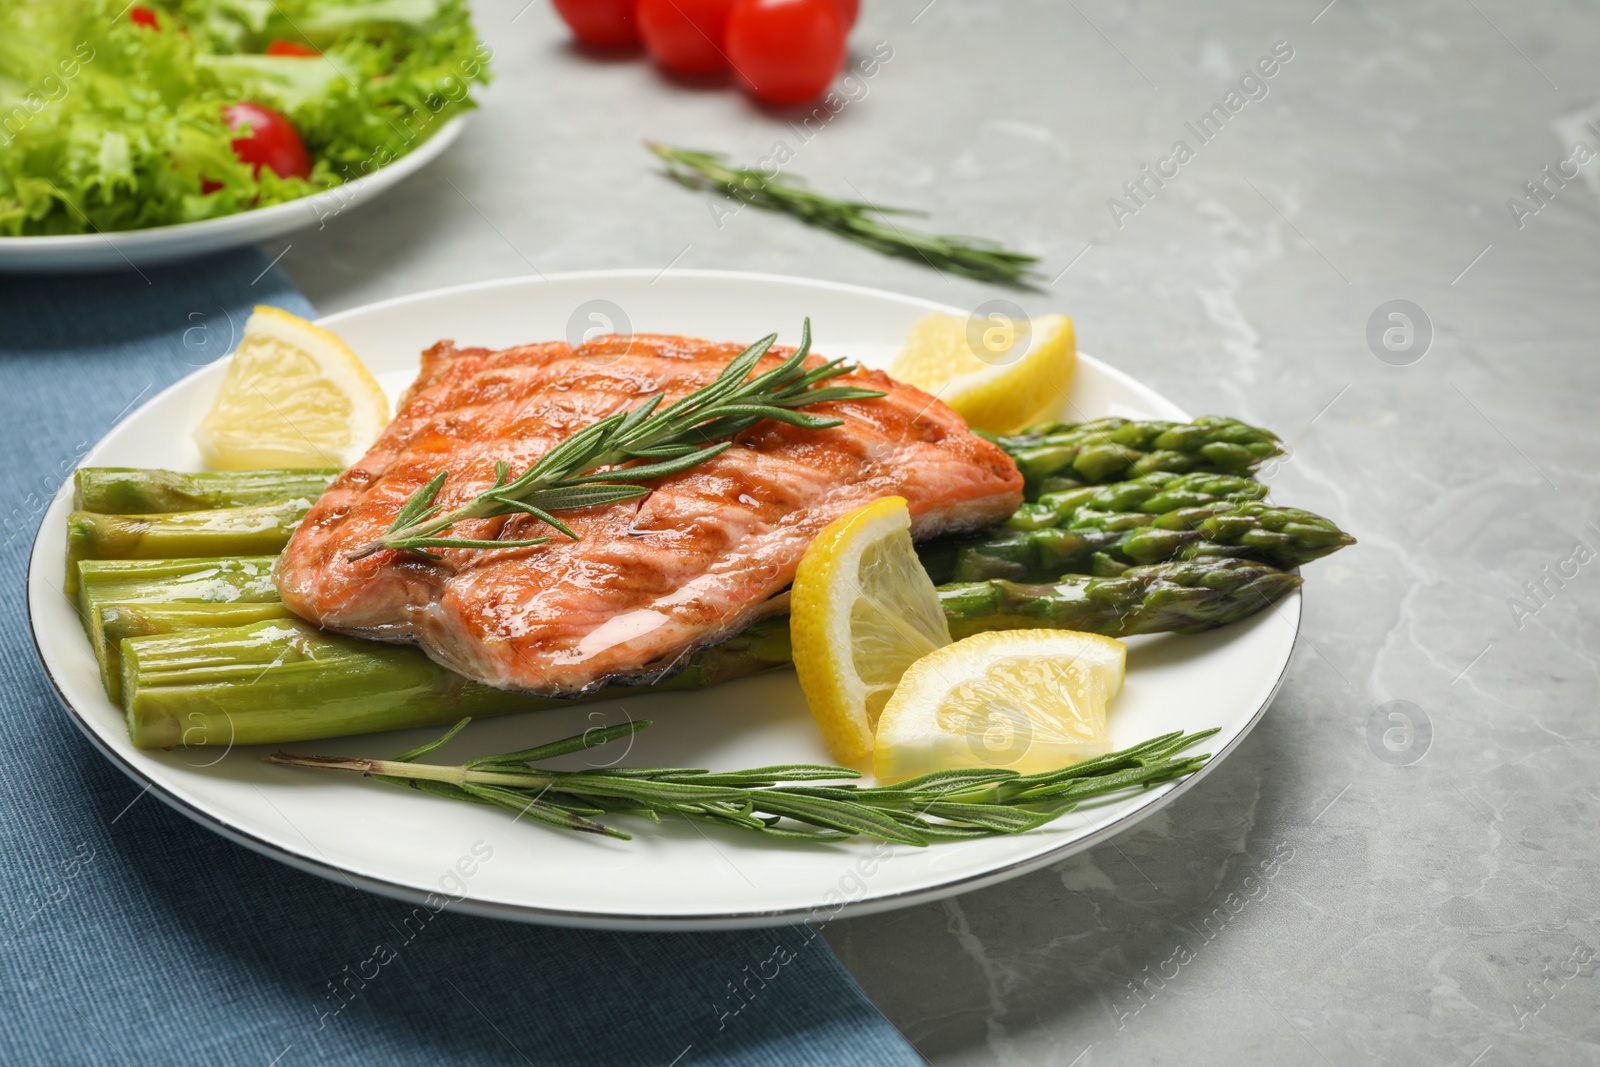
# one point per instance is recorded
(181, 240)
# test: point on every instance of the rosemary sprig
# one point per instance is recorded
(946, 805)
(590, 467)
(855, 221)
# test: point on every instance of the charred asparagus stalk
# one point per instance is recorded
(185, 688)
(1000, 553)
(1154, 494)
(135, 491)
(1105, 543)
(1184, 597)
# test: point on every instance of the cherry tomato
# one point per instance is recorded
(849, 10)
(272, 141)
(785, 51)
(686, 36)
(291, 48)
(143, 16)
(600, 23)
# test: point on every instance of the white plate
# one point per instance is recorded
(123, 249)
(407, 844)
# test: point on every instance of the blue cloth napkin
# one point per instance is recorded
(129, 935)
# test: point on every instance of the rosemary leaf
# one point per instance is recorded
(420, 506)
(957, 779)
(948, 831)
(443, 789)
(422, 750)
(786, 833)
(545, 517)
(570, 497)
(546, 813)
(686, 456)
(565, 747)
(648, 792)
(988, 816)
(414, 543)
(1085, 787)
(838, 815)
(665, 774)
(797, 772)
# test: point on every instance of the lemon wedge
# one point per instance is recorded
(1025, 700)
(998, 373)
(294, 396)
(862, 610)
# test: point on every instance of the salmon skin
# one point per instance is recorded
(706, 553)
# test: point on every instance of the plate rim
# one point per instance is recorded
(50, 250)
(566, 917)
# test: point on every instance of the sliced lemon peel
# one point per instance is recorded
(862, 610)
(974, 366)
(1024, 700)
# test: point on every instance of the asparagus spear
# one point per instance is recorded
(185, 688)
(135, 491)
(116, 599)
(1064, 455)
(120, 599)
(288, 681)
(1087, 507)
(1155, 494)
(1184, 597)
(264, 528)
(174, 581)
(1105, 543)
(118, 621)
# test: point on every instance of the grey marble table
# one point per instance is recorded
(1349, 887)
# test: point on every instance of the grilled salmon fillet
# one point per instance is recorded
(651, 579)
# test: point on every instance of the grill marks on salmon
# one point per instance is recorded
(709, 551)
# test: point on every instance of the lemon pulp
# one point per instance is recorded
(295, 395)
